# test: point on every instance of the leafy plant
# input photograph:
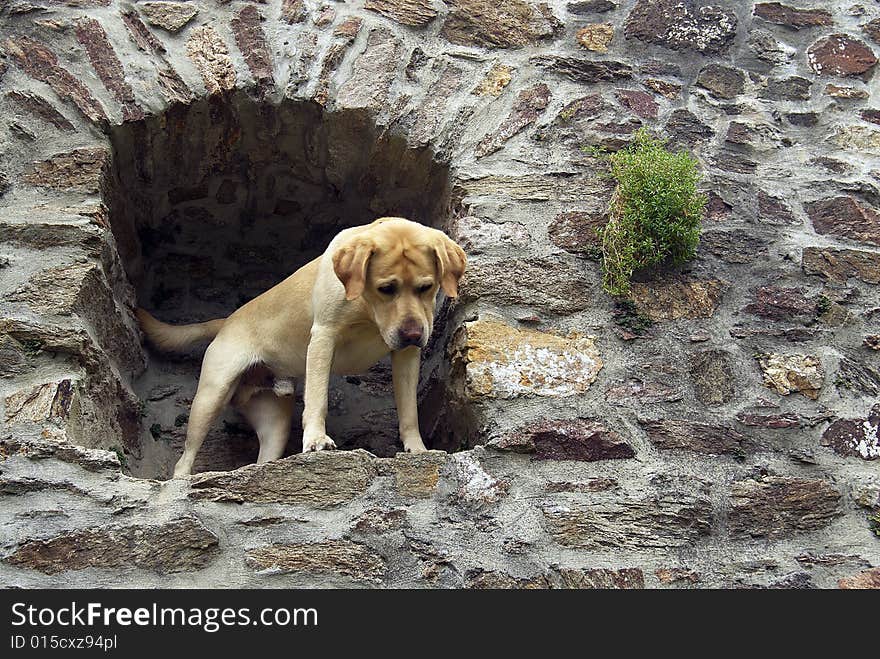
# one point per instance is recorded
(627, 315)
(655, 211)
(874, 521)
(120, 454)
(823, 305)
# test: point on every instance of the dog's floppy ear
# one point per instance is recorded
(350, 265)
(451, 262)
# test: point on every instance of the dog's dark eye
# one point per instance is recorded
(424, 288)
(387, 289)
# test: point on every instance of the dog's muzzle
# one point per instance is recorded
(411, 333)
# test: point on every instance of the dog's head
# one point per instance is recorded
(397, 266)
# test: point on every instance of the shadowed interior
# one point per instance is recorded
(215, 202)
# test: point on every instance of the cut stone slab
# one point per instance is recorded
(674, 299)
(496, 360)
(695, 436)
(81, 170)
(180, 545)
(786, 374)
(498, 77)
(342, 557)
(416, 13)
(670, 521)
(780, 14)
(841, 55)
(171, 16)
(586, 440)
(855, 437)
(845, 217)
(709, 29)
(777, 506)
(841, 264)
(211, 57)
(322, 479)
(501, 24)
(595, 37)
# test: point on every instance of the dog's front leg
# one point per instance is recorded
(405, 376)
(319, 359)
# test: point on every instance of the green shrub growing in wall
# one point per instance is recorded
(655, 212)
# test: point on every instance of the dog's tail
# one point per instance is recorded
(176, 338)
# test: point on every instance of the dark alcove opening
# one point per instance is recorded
(215, 202)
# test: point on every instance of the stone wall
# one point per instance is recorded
(720, 430)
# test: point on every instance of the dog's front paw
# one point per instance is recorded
(414, 446)
(181, 471)
(319, 443)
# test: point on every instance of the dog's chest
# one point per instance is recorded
(357, 350)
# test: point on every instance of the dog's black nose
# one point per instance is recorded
(409, 334)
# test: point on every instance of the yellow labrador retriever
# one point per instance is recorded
(370, 293)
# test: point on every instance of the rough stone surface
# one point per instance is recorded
(629, 524)
(504, 24)
(497, 78)
(694, 436)
(590, 6)
(41, 64)
(714, 380)
(674, 299)
(780, 14)
(211, 57)
(841, 55)
(320, 479)
(519, 282)
(334, 556)
(40, 107)
(417, 475)
(528, 106)
(595, 37)
(790, 373)
(777, 303)
(841, 264)
(500, 361)
(793, 88)
(171, 16)
(869, 579)
(639, 102)
(722, 81)
(108, 67)
(855, 437)
(576, 231)
(252, 43)
(583, 70)
(707, 29)
(845, 217)
(81, 169)
(578, 439)
(180, 545)
(409, 12)
(777, 506)
(686, 130)
(371, 73)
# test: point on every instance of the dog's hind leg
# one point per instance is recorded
(221, 369)
(271, 416)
